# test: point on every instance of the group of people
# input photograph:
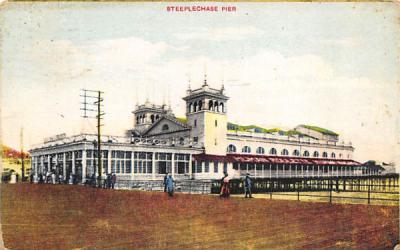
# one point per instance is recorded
(48, 177)
(225, 191)
(107, 182)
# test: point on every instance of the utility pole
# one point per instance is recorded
(92, 102)
(22, 155)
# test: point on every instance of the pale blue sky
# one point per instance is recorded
(329, 64)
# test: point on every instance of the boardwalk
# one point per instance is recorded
(68, 217)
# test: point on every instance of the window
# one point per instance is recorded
(195, 139)
(190, 107)
(285, 152)
(182, 163)
(163, 163)
(325, 154)
(195, 123)
(306, 153)
(231, 149)
(215, 167)
(246, 149)
(272, 151)
(206, 167)
(333, 155)
(216, 123)
(225, 167)
(296, 152)
(143, 162)
(316, 154)
(215, 141)
(340, 155)
(260, 150)
(165, 127)
(198, 167)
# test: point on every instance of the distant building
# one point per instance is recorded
(202, 145)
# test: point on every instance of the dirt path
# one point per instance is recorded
(68, 217)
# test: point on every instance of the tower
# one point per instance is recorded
(206, 115)
(147, 114)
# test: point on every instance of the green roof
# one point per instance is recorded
(257, 129)
(319, 129)
(181, 119)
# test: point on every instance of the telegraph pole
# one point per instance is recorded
(22, 155)
(92, 102)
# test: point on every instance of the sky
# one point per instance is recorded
(334, 65)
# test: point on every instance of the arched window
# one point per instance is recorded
(190, 108)
(165, 127)
(137, 119)
(152, 118)
(157, 117)
(231, 149)
(195, 107)
(181, 140)
(306, 153)
(200, 105)
(316, 154)
(284, 152)
(221, 107)
(272, 151)
(211, 105)
(333, 155)
(296, 152)
(260, 150)
(216, 106)
(246, 149)
(325, 154)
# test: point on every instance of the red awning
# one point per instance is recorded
(244, 158)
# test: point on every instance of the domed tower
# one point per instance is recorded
(147, 114)
(206, 115)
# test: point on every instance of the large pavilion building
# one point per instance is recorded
(203, 145)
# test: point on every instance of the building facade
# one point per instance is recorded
(203, 145)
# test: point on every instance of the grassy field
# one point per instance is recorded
(76, 217)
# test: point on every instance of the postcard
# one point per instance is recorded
(199, 125)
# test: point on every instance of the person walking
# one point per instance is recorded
(225, 192)
(108, 181)
(248, 183)
(53, 178)
(170, 185)
(165, 182)
(113, 181)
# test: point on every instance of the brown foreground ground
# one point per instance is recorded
(76, 217)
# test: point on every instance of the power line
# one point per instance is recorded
(92, 103)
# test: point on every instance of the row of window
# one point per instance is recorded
(260, 150)
(197, 167)
(297, 167)
(142, 118)
(212, 105)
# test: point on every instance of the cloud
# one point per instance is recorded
(221, 34)
(349, 42)
(266, 88)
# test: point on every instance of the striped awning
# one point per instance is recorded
(244, 158)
